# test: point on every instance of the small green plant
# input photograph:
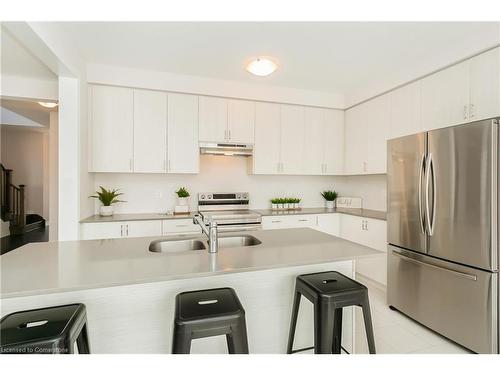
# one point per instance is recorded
(182, 192)
(329, 195)
(107, 197)
(275, 200)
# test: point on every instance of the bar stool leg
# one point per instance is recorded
(323, 329)
(237, 341)
(293, 321)
(182, 341)
(368, 324)
(337, 332)
(82, 341)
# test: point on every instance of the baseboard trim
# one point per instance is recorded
(366, 280)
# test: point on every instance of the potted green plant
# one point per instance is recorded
(286, 203)
(281, 203)
(107, 198)
(274, 203)
(182, 196)
(296, 202)
(330, 197)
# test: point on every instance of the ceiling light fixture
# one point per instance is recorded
(48, 104)
(261, 66)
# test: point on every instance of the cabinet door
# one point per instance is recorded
(213, 119)
(183, 149)
(292, 139)
(354, 141)
(144, 228)
(97, 231)
(266, 153)
(405, 110)
(445, 97)
(376, 123)
(333, 142)
(314, 141)
(485, 85)
(180, 226)
(241, 121)
(150, 131)
(376, 234)
(112, 129)
(329, 223)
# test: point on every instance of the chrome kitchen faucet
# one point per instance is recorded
(210, 231)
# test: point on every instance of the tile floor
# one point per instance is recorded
(397, 334)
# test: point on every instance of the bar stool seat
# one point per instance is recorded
(50, 330)
(206, 313)
(330, 292)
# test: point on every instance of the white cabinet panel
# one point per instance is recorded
(213, 119)
(458, 93)
(289, 221)
(314, 140)
(275, 222)
(405, 110)
(354, 141)
(111, 129)
(150, 131)
(241, 121)
(122, 229)
(180, 226)
(333, 141)
(329, 223)
(485, 85)
(292, 139)
(183, 150)
(266, 154)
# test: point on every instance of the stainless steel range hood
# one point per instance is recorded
(229, 149)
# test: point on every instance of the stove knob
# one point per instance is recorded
(202, 197)
(209, 196)
(238, 196)
(245, 196)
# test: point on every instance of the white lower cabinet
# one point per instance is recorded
(121, 229)
(180, 226)
(371, 233)
(329, 223)
(289, 221)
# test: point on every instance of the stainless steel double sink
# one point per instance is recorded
(175, 245)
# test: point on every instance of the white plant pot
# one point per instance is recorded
(280, 206)
(182, 201)
(274, 206)
(106, 210)
(330, 204)
(286, 206)
(295, 205)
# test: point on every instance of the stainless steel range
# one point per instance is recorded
(229, 210)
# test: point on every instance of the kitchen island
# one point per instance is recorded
(129, 291)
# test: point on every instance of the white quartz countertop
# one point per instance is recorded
(52, 267)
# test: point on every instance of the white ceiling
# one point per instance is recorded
(337, 57)
(18, 61)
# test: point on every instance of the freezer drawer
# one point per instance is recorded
(456, 301)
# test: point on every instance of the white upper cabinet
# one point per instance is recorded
(366, 132)
(314, 141)
(405, 110)
(266, 154)
(111, 120)
(240, 121)
(183, 150)
(485, 85)
(150, 131)
(333, 142)
(292, 139)
(213, 119)
(323, 141)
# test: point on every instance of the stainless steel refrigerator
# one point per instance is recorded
(443, 231)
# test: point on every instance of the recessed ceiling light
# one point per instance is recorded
(261, 66)
(48, 104)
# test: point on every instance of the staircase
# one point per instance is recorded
(12, 206)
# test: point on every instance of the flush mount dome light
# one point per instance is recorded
(261, 66)
(48, 104)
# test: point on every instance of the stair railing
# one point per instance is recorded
(12, 199)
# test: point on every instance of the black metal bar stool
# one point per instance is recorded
(209, 312)
(50, 330)
(330, 292)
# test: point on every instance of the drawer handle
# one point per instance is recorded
(276, 221)
(457, 273)
(303, 219)
(181, 225)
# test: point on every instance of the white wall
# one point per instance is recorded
(155, 192)
(22, 151)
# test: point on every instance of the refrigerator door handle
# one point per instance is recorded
(420, 176)
(429, 221)
(419, 262)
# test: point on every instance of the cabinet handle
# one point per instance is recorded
(130, 164)
(181, 225)
(465, 112)
(168, 167)
(229, 132)
(364, 166)
(127, 230)
(164, 165)
(275, 221)
(303, 219)
(225, 135)
(121, 230)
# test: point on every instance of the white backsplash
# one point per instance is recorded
(156, 192)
